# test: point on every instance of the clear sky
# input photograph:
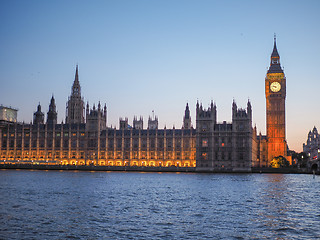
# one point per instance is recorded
(139, 56)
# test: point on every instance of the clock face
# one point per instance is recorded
(275, 87)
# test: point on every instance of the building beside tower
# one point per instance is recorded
(225, 146)
(312, 146)
(86, 139)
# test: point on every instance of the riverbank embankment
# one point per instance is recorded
(146, 169)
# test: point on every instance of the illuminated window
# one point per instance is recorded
(204, 156)
(204, 142)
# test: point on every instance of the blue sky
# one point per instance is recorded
(139, 56)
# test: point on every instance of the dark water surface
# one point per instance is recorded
(131, 205)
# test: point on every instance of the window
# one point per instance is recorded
(205, 142)
(204, 128)
(204, 156)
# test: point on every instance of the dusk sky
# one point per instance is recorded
(140, 56)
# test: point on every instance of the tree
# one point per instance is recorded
(300, 159)
(279, 162)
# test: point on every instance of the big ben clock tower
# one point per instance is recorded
(275, 85)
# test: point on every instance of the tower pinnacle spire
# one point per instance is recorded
(76, 89)
(75, 104)
(76, 78)
(275, 53)
(275, 59)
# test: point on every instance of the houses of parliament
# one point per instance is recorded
(86, 139)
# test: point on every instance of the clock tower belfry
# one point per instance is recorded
(275, 87)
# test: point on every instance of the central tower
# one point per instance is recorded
(75, 104)
(275, 86)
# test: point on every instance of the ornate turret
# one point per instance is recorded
(38, 116)
(96, 119)
(187, 118)
(234, 109)
(52, 113)
(249, 109)
(153, 122)
(87, 109)
(105, 110)
(76, 89)
(75, 104)
(123, 123)
(138, 123)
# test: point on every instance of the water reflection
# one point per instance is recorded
(115, 205)
(275, 203)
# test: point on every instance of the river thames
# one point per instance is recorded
(134, 205)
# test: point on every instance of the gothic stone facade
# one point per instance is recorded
(225, 146)
(76, 144)
(211, 146)
(312, 146)
(274, 144)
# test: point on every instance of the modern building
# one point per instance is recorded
(8, 115)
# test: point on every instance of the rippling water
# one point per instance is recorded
(131, 205)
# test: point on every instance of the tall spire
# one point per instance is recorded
(275, 53)
(76, 89)
(187, 111)
(275, 59)
(75, 104)
(187, 118)
(38, 116)
(52, 113)
(76, 79)
(52, 106)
